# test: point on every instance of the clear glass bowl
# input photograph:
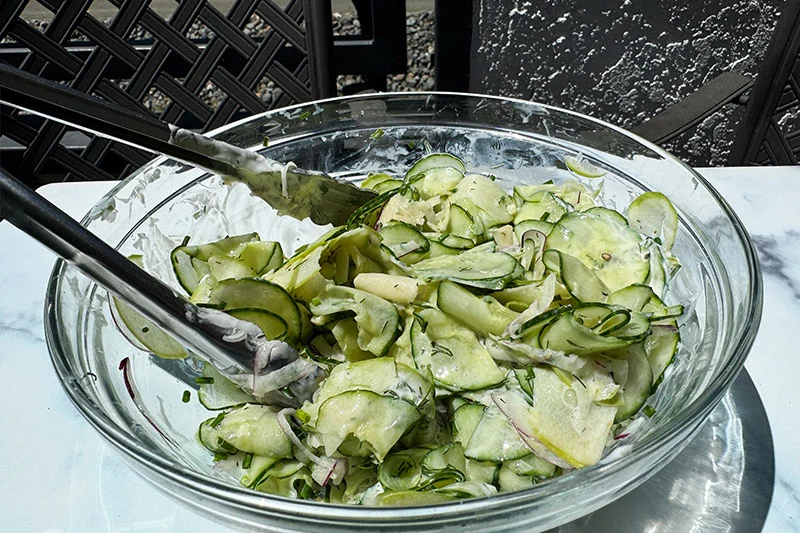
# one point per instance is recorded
(517, 141)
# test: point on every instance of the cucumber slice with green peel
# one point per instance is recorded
(411, 498)
(483, 315)
(533, 466)
(402, 470)
(495, 439)
(487, 203)
(438, 250)
(537, 225)
(437, 181)
(376, 421)
(218, 392)
(273, 326)
(582, 167)
(544, 207)
(251, 428)
(508, 480)
(452, 353)
(602, 240)
(643, 299)
(579, 280)
(638, 383)
(465, 419)
(377, 319)
(388, 186)
(404, 239)
(454, 241)
(375, 179)
(346, 333)
(661, 346)
(592, 329)
(187, 261)
(478, 269)
(461, 224)
(653, 215)
(565, 419)
(435, 160)
(149, 336)
(381, 375)
(260, 294)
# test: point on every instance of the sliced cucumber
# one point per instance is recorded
(151, 337)
(638, 383)
(260, 294)
(377, 319)
(273, 326)
(405, 241)
(376, 421)
(653, 215)
(495, 439)
(435, 160)
(602, 240)
(251, 428)
(566, 420)
(452, 353)
(218, 392)
(483, 315)
(582, 167)
(579, 280)
(478, 269)
(188, 262)
(591, 329)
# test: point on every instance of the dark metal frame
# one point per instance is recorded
(299, 54)
(762, 137)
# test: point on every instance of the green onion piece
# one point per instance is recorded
(649, 411)
(204, 380)
(247, 461)
(265, 142)
(217, 420)
(186, 396)
(377, 134)
(302, 416)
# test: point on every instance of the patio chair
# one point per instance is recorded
(766, 129)
(179, 58)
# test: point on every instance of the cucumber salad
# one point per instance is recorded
(474, 340)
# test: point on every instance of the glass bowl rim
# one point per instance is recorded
(692, 415)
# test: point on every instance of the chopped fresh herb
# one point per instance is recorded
(304, 115)
(217, 420)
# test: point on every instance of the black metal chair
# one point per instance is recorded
(767, 132)
(139, 53)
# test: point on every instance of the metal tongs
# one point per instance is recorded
(272, 371)
(290, 190)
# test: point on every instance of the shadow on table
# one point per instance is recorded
(722, 481)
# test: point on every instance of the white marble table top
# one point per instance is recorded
(57, 475)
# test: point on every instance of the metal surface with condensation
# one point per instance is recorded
(722, 481)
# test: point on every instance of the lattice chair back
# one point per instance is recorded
(769, 133)
(198, 68)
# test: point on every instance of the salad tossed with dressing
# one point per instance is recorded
(473, 340)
